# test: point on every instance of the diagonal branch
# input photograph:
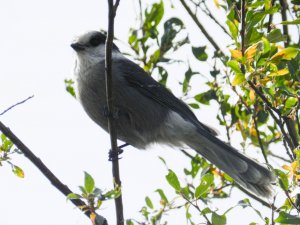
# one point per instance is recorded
(112, 8)
(18, 103)
(45, 171)
(201, 27)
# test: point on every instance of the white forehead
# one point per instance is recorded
(85, 37)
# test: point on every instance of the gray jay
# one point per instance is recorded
(148, 113)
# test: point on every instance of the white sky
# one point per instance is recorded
(35, 58)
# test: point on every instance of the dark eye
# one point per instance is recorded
(95, 41)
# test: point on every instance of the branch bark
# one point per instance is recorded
(47, 172)
(18, 103)
(112, 8)
(201, 27)
(284, 7)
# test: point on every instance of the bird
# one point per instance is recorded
(147, 113)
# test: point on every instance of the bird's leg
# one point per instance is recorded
(112, 155)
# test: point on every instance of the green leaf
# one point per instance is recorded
(173, 180)
(238, 79)
(187, 77)
(162, 195)
(73, 196)
(293, 22)
(149, 202)
(283, 179)
(153, 18)
(199, 53)
(69, 84)
(129, 222)
(276, 36)
(6, 143)
(194, 105)
(267, 46)
(234, 65)
(253, 36)
(217, 219)
(18, 171)
(286, 53)
(206, 181)
(171, 28)
(233, 29)
(89, 183)
(285, 218)
(290, 102)
(205, 97)
(296, 2)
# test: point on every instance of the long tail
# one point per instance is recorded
(242, 169)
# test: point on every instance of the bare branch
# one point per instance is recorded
(258, 134)
(284, 7)
(47, 172)
(112, 8)
(201, 27)
(19, 103)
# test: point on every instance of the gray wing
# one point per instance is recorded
(150, 88)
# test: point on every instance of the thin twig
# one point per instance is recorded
(284, 7)
(112, 8)
(45, 171)
(201, 27)
(273, 211)
(279, 157)
(258, 134)
(195, 205)
(207, 11)
(243, 29)
(19, 103)
(291, 201)
(270, 18)
(272, 109)
(290, 124)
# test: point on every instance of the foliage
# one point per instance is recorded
(256, 85)
(6, 151)
(257, 89)
(93, 196)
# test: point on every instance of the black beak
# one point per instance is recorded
(77, 47)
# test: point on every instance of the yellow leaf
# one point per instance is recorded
(93, 217)
(217, 3)
(236, 54)
(252, 94)
(250, 52)
(286, 167)
(298, 177)
(294, 165)
(238, 79)
(286, 53)
(253, 131)
(18, 171)
(282, 72)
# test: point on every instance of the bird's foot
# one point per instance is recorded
(114, 155)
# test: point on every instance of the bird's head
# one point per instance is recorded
(91, 44)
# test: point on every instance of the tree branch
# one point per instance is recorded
(270, 18)
(18, 103)
(112, 8)
(284, 7)
(258, 135)
(201, 27)
(46, 172)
